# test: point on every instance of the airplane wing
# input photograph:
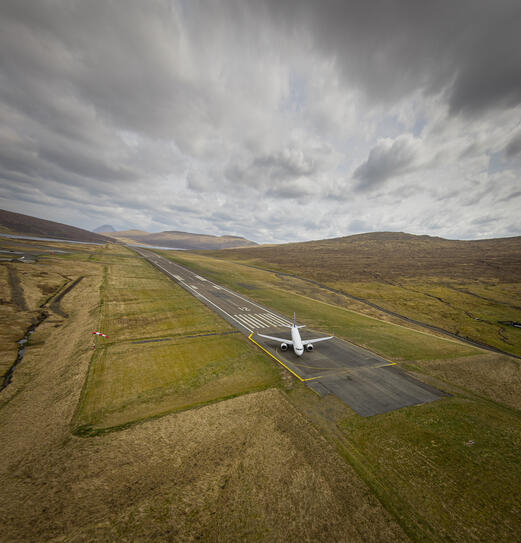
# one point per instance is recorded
(307, 341)
(286, 341)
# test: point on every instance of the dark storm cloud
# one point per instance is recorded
(387, 159)
(513, 149)
(470, 49)
(217, 115)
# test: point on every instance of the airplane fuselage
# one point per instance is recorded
(297, 341)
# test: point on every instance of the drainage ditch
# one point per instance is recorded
(22, 345)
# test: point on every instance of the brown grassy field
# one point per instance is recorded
(279, 464)
(25, 292)
(425, 463)
(132, 377)
(246, 469)
(466, 287)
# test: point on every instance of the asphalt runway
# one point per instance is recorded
(366, 382)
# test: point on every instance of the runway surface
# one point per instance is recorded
(366, 382)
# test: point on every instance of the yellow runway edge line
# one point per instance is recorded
(298, 376)
(275, 358)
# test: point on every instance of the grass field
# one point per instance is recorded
(130, 381)
(448, 470)
(246, 469)
(25, 290)
(470, 309)
(451, 470)
(277, 464)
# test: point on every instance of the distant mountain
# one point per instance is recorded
(182, 240)
(25, 225)
(104, 228)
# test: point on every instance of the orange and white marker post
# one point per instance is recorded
(98, 334)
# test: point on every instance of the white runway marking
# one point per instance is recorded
(201, 278)
(275, 319)
(210, 302)
(248, 321)
(244, 322)
(258, 322)
(267, 323)
(177, 277)
(217, 288)
(262, 320)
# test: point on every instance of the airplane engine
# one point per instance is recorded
(283, 347)
(309, 347)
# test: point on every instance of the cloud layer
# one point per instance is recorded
(276, 120)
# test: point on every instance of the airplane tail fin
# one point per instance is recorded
(295, 322)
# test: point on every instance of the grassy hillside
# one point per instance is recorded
(470, 288)
(389, 256)
(17, 223)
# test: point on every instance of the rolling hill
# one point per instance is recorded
(17, 223)
(388, 256)
(181, 240)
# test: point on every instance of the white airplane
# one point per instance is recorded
(297, 343)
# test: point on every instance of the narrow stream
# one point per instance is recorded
(22, 345)
(515, 324)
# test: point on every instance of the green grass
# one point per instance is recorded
(423, 466)
(129, 382)
(389, 340)
(456, 306)
(140, 302)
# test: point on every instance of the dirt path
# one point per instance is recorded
(55, 304)
(17, 292)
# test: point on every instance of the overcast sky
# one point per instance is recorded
(275, 120)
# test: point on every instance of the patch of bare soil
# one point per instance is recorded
(17, 292)
(55, 304)
(250, 468)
